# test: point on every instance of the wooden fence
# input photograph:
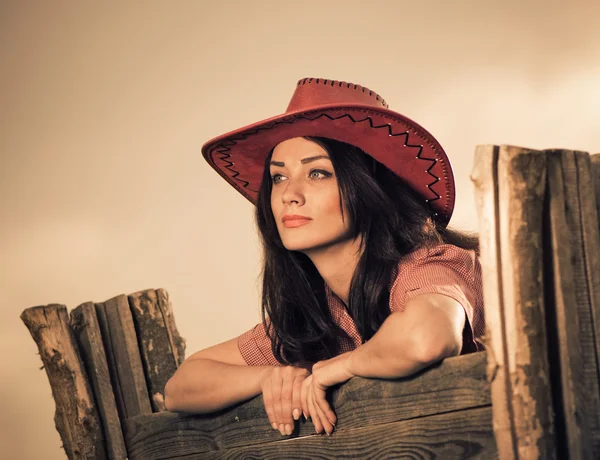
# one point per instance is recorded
(533, 394)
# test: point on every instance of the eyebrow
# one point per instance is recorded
(303, 161)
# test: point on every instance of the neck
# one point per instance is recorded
(336, 265)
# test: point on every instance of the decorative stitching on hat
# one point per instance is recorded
(305, 81)
(224, 147)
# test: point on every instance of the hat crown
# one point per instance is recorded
(314, 92)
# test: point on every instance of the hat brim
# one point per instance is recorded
(402, 145)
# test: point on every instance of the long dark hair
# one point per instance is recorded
(393, 221)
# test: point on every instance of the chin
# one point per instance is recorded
(298, 246)
(306, 245)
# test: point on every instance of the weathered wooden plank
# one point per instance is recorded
(583, 240)
(484, 176)
(595, 162)
(521, 189)
(87, 331)
(159, 341)
(574, 437)
(76, 416)
(452, 436)
(458, 383)
(590, 219)
(177, 341)
(123, 355)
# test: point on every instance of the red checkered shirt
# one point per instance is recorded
(443, 269)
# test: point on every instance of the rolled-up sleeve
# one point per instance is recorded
(448, 270)
(255, 347)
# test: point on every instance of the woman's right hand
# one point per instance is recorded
(281, 387)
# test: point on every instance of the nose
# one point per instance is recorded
(293, 193)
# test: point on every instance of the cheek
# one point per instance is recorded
(274, 203)
(331, 206)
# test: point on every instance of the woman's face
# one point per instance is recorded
(305, 197)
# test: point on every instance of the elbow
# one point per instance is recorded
(430, 347)
(170, 394)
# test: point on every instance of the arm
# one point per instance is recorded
(428, 330)
(217, 377)
(212, 379)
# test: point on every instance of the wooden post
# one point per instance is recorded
(584, 241)
(575, 408)
(123, 356)
(177, 341)
(76, 417)
(595, 165)
(161, 347)
(84, 324)
(521, 189)
(521, 393)
(485, 179)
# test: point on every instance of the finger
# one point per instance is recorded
(303, 396)
(314, 416)
(327, 426)
(276, 392)
(268, 401)
(321, 401)
(286, 404)
(296, 395)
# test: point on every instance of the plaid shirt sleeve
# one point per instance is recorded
(255, 347)
(449, 270)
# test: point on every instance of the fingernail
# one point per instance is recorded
(282, 429)
(274, 425)
(305, 417)
(296, 414)
(288, 429)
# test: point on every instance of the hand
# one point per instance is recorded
(281, 387)
(324, 375)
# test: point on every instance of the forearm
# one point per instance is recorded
(203, 385)
(404, 344)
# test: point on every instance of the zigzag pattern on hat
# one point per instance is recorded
(224, 148)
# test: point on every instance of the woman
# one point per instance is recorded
(361, 276)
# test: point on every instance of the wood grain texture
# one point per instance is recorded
(159, 341)
(123, 356)
(87, 331)
(574, 436)
(457, 384)
(484, 176)
(76, 417)
(591, 242)
(595, 165)
(585, 247)
(521, 190)
(177, 341)
(457, 435)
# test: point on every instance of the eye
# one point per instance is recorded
(276, 178)
(319, 174)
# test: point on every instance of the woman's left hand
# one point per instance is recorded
(313, 396)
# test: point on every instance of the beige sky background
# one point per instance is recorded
(104, 108)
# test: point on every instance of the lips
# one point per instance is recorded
(296, 223)
(294, 220)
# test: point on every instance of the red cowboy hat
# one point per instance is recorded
(345, 112)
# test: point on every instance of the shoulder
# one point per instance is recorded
(437, 258)
(430, 267)
(447, 270)
(441, 252)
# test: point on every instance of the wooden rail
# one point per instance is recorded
(449, 403)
